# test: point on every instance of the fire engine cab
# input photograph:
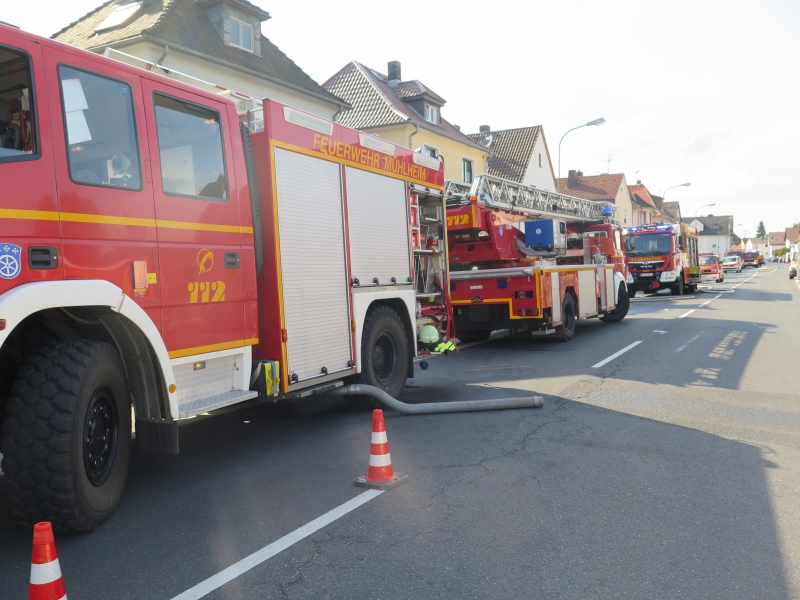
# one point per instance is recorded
(160, 258)
(662, 255)
(527, 259)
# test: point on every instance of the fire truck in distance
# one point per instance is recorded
(161, 255)
(527, 259)
(662, 255)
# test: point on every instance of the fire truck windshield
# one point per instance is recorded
(708, 260)
(648, 244)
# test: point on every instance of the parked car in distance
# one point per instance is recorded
(732, 262)
(751, 259)
(711, 266)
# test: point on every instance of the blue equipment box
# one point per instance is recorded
(547, 235)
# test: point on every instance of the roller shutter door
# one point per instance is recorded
(377, 216)
(313, 267)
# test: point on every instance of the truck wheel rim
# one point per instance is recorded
(100, 436)
(384, 358)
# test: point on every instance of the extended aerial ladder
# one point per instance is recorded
(529, 200)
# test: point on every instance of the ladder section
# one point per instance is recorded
(510, 195)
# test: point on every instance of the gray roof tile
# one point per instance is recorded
(511, 151)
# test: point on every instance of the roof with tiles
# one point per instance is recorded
(777, 237)
(720, 225)
(792, 234)
(594, 187)
(414, 88)
(184, 24)
(641, 195)
(376, 104)
(511, 150)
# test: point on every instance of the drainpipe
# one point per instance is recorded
(161, 58)
(411, 137)
(336, 114)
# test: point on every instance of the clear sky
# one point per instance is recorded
(704, 91)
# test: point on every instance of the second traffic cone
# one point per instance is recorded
(46, 581)
(380, 475)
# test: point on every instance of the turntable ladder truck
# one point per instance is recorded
(522, 258)
(161, 261)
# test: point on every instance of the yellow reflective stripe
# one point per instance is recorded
(47, 215)
(212, 348)
(33, 215)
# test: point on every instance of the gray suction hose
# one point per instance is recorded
(436, 407)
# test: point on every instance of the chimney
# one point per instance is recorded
(394, 71)
(572, 179)
(579, 173)
(638, 182)
(485, 129)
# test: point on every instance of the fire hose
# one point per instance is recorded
(437, 407)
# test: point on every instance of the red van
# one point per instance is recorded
(711, 265)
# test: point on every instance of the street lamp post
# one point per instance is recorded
(704, 206)
(596, 122)
(664, 195)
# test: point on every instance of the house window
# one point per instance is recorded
(467, 170)
(430, 151)
(431, 114)
(242, 35)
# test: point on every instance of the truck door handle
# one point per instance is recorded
(232, 260)
(42, 257)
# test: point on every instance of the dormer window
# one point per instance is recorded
(242, 35)
(432, 113)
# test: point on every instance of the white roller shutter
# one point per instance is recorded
(313, 266)
(377, 216)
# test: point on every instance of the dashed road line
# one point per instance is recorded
(616, 354)
(259, 556)
(686, 314)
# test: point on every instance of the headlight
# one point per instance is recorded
(669, 276)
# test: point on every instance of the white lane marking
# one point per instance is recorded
(616, 354)
(256, 558)
(686, 314)
(717, 296)
(704, 303)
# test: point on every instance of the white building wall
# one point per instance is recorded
(250, 85)
(623, 201)
(541, 177)
(715, 244)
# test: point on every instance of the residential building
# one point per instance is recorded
(757, 245)
(407, 113)
(777, 239)
(520, 155)
(644, 209)
(609, 188)
(793, 238)
(713, 233)
(218, 41)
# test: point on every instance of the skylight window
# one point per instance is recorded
(118, 16)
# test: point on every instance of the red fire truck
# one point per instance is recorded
(156, 254)
(662, 255)
(526, 259)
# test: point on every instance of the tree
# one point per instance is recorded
(761, 231)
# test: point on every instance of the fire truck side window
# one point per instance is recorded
(101, 134)
(190, 148)
(17, 118)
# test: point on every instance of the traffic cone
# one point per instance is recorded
(381, 475)
(46, 582)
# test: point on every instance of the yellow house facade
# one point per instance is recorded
(406, 113)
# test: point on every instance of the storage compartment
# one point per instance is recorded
(548, 235)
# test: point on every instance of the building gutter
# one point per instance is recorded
(149, 38)
(411, 137)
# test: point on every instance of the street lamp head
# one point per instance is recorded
(687, 185)
(599, 121)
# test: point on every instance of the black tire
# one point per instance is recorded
(631, 291)
(480, 335)
(67, 436)
(566, 332)
(678, 289)
(384, 356)
(623, 306)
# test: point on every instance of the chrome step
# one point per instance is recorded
(201, 405)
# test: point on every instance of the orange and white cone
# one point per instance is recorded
(46, 581)
(380, 475)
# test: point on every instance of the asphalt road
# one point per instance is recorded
(672, 471)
